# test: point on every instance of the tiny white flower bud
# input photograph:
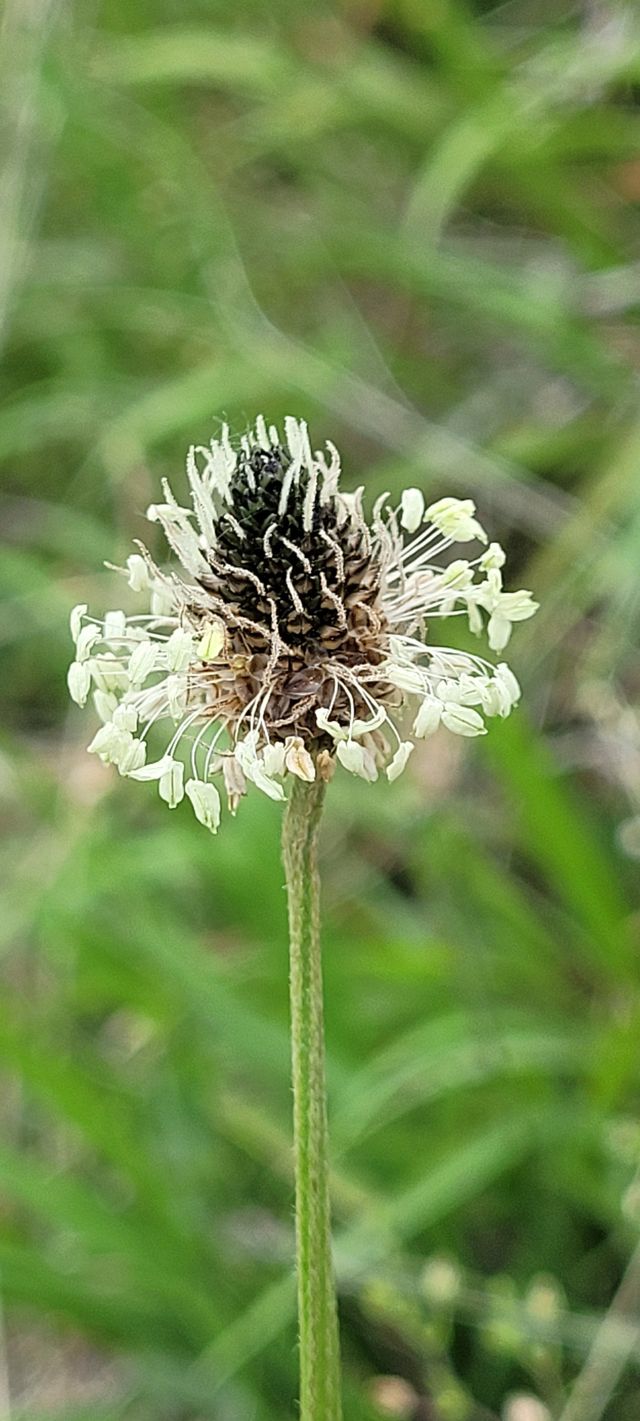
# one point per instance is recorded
(247, 757)
(206, 803)
(115, 626)
(132, 757)
(518, 606)
(458, 574)
(498, 631)
(75, 619)
(142, 662)
(412, 505)
(454, 518)
(273, 759)
(509, 681)
(86, 640)
(176, 688)
(179, 650)
(125, 717)
(79, 681)
(234, 780)
(370, 766)
(109, 743)
(428, 717)
(298, 760)
(494, 701)
(406, 678)
(448, 690)
(171, 784)
(462, 720)
(395, 768)
(162, 599)
(245, 750)
(264, 782)
(105, 703)
(108, 673)
(475, 617)
(352, 756)
(139, 578)
(155, 770)
(493, 558)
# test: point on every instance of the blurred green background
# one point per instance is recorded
(414, 223)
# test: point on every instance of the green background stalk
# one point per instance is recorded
(317, 1316)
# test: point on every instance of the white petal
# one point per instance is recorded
(454, 518)
(462, 720)
(457, 575)
(75, 619)
(298, 760)
(125, 717)
(273, 759)
(155, 770)
(105, 703)
(132, 757)
(142, 662)
(108, 673)
(265, 783)
(498, 631)
(428, 718)
(246, 751)
(494, 557)
(86, 640)
(406, 678)
(79, 681)
(352, 756)
(510, 682)
(206, 803)
(171, 784)
(370, 767)
(162, 599)
(139, 578)
(517, 606)
(412, 504)
(179, 650)
(494, 699)
(235, 782)
(115, 626)
(109, 743)
(475, 618)
(176, 688)
(399, 760)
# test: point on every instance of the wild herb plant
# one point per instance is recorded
(302, 631)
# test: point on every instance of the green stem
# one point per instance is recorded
(317, 1317)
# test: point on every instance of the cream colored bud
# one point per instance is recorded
(298, 760)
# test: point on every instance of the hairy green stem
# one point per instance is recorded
(317, 1316)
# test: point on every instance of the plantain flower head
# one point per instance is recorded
(292, 633)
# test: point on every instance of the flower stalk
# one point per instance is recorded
(317, 1315)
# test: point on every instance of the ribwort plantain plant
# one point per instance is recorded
(293, 637)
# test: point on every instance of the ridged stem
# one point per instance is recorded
(317, 1315)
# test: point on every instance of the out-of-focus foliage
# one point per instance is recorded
(416, 225)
